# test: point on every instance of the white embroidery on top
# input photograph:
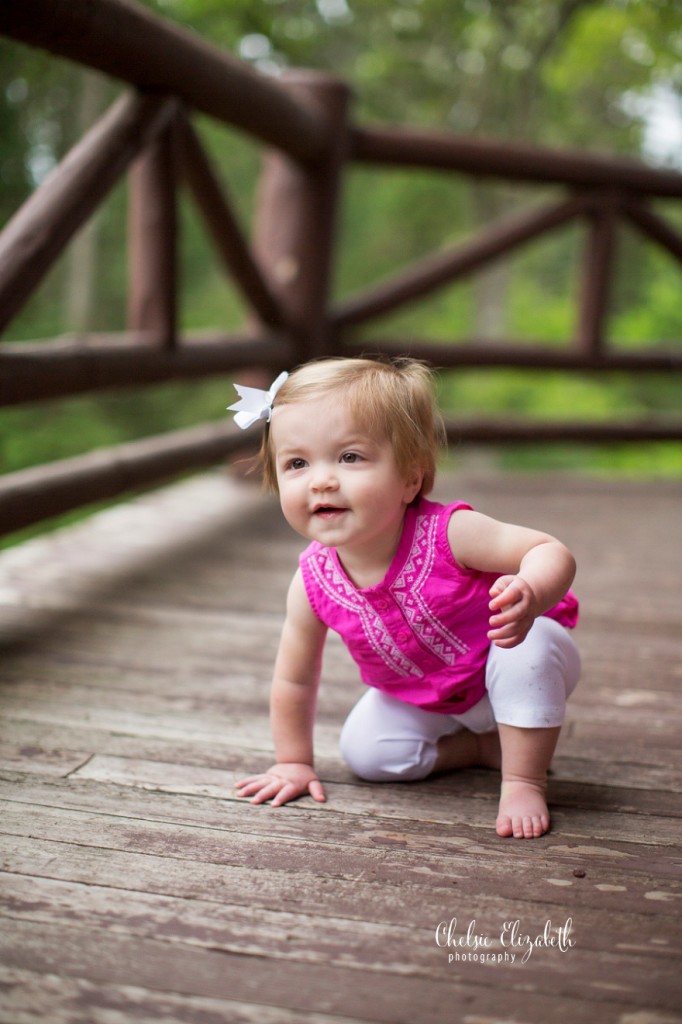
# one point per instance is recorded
(407, 590)
(340, 590)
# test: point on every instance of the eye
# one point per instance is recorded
(348, 458)
(296, 463)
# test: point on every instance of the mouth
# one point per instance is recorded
(328, 511)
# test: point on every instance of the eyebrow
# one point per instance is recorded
(345, 441)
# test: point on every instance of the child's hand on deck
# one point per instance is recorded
(281, 783)
(514, 608)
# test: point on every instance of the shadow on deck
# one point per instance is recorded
(134, 685)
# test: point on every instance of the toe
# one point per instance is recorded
(503, 826)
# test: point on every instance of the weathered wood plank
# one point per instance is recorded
(192, 660)
(133, 694)
(179, 778)
(211, 773)
(298, 938)
(624, 736)
(397, 851)
(613, 861)
(42, 760)
(468, 799)
(652, 935)
(190, 657)
(232, 755)
(376, 994)
(32, 998)
(335, 824)
(294, 935)
(247, 732)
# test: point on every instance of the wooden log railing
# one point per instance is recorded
(42, 227)
(284, 274)
(436, 271)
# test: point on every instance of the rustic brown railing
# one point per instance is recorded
(284, 273)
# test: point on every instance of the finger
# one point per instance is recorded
(286, 793)
(264, 784)
(504, 618)
(510, 596)
(316, 790)
(267, 791)
(517, 613)
(248, 787)
(509, 642)
(500, 584)
(510, 629)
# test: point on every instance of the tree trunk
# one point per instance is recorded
(492, 284)
(80, 292)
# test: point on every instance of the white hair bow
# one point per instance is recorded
(254, 404)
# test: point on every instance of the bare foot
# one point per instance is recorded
(523, 811)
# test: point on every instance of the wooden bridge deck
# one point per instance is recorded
(135, 887)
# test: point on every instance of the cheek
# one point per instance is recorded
(383, 488)
(377, 497)
(289, 500)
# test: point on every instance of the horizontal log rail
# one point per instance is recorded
(284, 274)
(30, 495)
(515, 432)
(413, 147)
(481, 354)
(31, 372)
(133, 45)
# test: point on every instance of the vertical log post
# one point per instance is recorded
(152, 225)
(597, 275)
(296, 215)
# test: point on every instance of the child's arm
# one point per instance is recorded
(536, 570)
(292, 707)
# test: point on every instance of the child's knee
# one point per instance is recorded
(528, 685)
(388, 759)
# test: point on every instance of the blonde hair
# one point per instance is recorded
(394, 400)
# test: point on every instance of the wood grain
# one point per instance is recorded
(134, 885)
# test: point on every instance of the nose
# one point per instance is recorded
(323, 477)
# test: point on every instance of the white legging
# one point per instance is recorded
(387, 740)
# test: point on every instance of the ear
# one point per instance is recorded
(413, 484)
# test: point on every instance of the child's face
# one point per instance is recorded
(337, 485)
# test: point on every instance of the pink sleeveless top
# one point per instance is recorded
(420, 634)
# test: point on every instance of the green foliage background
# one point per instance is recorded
(577, 73)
